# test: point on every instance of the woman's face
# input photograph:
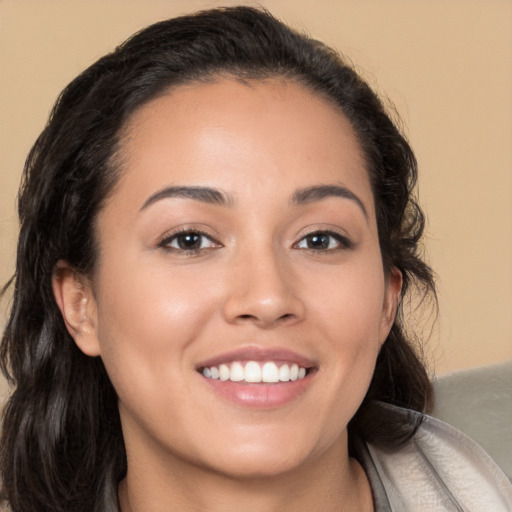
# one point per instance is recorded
(240, 244)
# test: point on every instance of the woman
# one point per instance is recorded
(217, 231)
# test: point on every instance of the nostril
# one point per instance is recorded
(283, 318)
(263, 309)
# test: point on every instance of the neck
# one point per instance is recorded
(333, 484)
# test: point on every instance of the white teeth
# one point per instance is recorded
(254, 372)
(270, 373)
(284, 373)
(237, 372)
(224, 372)
(294, 372)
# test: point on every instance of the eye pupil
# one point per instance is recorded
(318, 241)
(189, 241)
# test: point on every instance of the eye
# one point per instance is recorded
(188, 241)
(324, 241)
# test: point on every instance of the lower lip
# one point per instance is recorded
(259, 395)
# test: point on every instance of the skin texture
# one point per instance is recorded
(154, 312)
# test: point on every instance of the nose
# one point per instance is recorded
(262, 290)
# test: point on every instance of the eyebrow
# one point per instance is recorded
(319, 192)
(215, 196)
(204, 194)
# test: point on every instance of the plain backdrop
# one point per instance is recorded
(447, 67)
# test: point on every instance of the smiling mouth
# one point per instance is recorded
(268, 372)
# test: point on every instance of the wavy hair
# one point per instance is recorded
(62, 447)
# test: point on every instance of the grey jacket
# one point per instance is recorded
(439, 469)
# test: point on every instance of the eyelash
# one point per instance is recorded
(166, 242)
(341, 241)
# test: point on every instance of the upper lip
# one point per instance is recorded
(259, 354)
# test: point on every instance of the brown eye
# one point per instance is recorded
(189, 241)
(318, 241)
(324, 241)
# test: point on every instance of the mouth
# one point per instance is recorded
(254, 372)
(253, 377)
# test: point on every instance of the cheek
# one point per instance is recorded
(147, 320)
(144, 298)
(349, 313)
(351, 300)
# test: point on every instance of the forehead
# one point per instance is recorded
(228, 134)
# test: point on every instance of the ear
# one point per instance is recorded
(74, 296)
(391, 300)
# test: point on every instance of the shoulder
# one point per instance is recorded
(440, 469)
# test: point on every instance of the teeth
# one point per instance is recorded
(237, 372)
(223, 372)
(270, 373)
(284, 373)
(254, 371)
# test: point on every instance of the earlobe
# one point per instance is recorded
(391, 301)
(73, 294)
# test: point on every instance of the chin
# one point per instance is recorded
(259, 466)
(271, 456)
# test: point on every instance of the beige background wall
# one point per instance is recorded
(446, 64)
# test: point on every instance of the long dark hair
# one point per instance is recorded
(62, 447)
